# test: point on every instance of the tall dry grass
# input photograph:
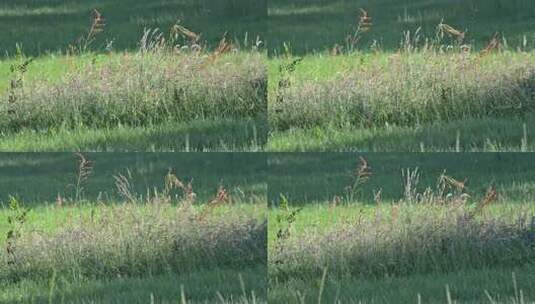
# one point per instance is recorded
(411, 89)
(134, 241)
(436, 231)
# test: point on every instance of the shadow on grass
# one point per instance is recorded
(38, 178)
(487, 134)
(43, 26)
(307, 178)
(221, 135)
(198, 287)
(465, 287)
(317, 25)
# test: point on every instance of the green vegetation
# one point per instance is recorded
(318, 25)
(47, 26)
(371, 102)
(175, 91)
(124, 227)
(125, 98)
(433, 76)
(400, 228)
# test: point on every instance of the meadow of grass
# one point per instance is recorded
(400, 229)
(175, 91)
(433, 76)
(403, 102)
(133, 247)
(111, 228)
(124, 96)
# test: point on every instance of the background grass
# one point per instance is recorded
(197, 287)
(201, 136)
(317, 177)
(317, 25)
(52, 25)
(38, 178)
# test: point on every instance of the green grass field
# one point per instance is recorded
(169, 76)
(318, 25)
(435, 76)
(50, 26)
(133, 227)
(382, 234)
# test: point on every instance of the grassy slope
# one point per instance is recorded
(311, 28)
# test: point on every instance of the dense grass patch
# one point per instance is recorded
(139, 91)
(403, 102)
(389, 252)
(409, 239)
(85, 248)
(113, 227)
(412, 89)
(132, 241)
(132, 96)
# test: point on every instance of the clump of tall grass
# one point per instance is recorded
(134, 240)
(436, 231)
(166, 230)
(162, 82)
(411, 89)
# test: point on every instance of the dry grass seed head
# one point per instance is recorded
(493, 45)
(222, 197)
(444, 28)
(365, 21)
